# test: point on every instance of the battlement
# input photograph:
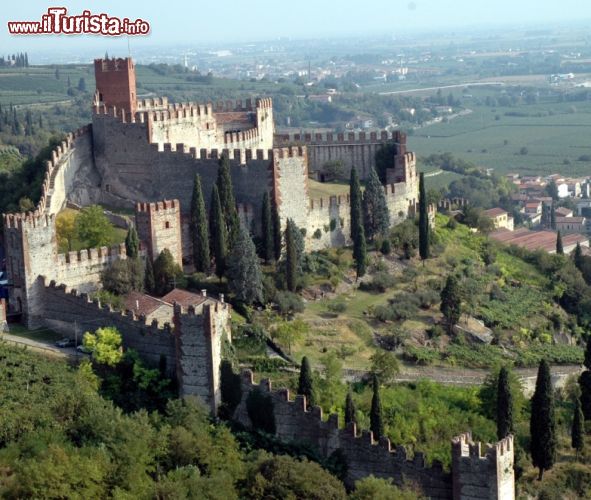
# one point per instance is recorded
(114, 64)
(27, 220)
(329, 138)
(92, 256)
(464, 447)
(158, 206)
(58, 155)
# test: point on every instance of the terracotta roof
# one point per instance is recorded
(563, 212)
(532, 204)
(140, 303)
(534, 240)
(494, 212)
(184, 298)
(574, 220)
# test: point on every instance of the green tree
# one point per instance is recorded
(65, 226)
(105, 345)
(292, 257)
(578, 257)
(289, 332)
(553, 217)
(423, 220)
(277, 233)
(552, 190)
(132, 244)
(267, 246)
(559, 247)
(306, 383)
(542, 422)
(384, 159)
(245, 278)
(355, 203)
(375, 209)
(280, 476)
(350, 410)
(123, 276)
(504, 405)
(82, 85)
(585, 381)
(451, 302)
(218, 232)
(226, 193)
(149, 281)
(385, 366)
(577, 429)
(374, 488)
(375, 416)
(199, 229)
(166, 271)
(93, 228)
(360, 253)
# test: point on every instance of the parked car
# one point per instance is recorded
(83, 349)
(65, 343)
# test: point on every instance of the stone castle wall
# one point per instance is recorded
(482, 477)
(471, 475)
(352, 149)
(192, 347)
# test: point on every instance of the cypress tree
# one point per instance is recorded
(132, 243)
(217, 229)
(577, 431)
(375, 416)
(305, 384)
(355, 200)
(149, 281)
(268, 244)
(423, 220)
(276, 231)
(245, 278)
(360, 252)
(198, 229)
(226, 193)
(451, 302)
(559, 247)
(552, 217)
(504, 405)
(578, 256)
(350, 410)
(291, 256)
(542, 422)
(585, 383)
(375, 209)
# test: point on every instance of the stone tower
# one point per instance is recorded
(159, 227)
(482, 477)
(115, 84)
(31, 249)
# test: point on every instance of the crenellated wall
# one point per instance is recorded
(192, 347)
(482, 477)
(352, 149)
(366, 456)
(159, 227)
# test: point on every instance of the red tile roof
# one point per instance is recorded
(534, 240)
(494, 212)
(184, 298)
(140, 303)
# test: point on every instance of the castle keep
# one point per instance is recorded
(143, 155)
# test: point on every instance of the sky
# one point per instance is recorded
(226, 21)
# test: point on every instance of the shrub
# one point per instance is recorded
(317, 234)
(289, 303)
(337, 306)
(380, 282)
(266, 364)
(427, 298)
(386, 247)
(421, 355)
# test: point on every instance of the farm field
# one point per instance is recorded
(555, 136)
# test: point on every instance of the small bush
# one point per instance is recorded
(337, 306)
(379, 283)
(317, 234)
(386, 247)
(289, 303)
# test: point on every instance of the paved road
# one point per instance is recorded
(38, 345)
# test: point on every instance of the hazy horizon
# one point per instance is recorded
(233, 22)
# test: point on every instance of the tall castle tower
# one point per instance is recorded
(115, 84)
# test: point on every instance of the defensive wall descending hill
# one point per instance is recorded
(473, 476)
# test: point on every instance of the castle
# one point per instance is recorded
(143, 155)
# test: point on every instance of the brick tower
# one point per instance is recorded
(115, 84)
